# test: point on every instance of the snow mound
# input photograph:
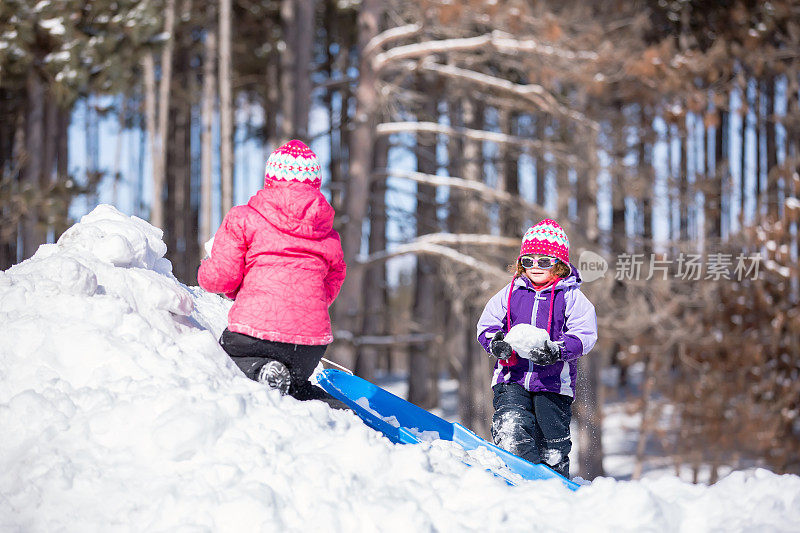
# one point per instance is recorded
(525, 337)
(119, 411)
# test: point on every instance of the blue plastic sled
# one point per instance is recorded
(404, 423)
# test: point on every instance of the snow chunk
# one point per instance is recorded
(65, 275)
(525, 337)
(118, 239)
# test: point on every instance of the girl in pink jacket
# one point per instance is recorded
(281, 261)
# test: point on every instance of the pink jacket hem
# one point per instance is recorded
(277, 336)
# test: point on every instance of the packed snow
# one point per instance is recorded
(525, 337)
(120, 412)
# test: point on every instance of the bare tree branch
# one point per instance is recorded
(507, 43)
(486, 192)
(468, 238)
(501, 42)
(557, 150)
(419, 246)
(393, 34)
(382, 60)
(536, 94)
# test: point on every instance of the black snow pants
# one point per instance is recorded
(533, 425)
(250, 354)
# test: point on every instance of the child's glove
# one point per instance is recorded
(500, 348)
(546, 355)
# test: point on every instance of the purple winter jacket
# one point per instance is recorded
(573, 322)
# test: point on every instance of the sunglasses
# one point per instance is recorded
(541, 262)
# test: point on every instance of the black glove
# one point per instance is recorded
(500, 348)
(546, 355)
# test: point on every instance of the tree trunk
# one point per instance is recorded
(190, 212)
(32, 171)
(334, 131)
(178, 168)
(206, 135)
(564, 193)
(142, 148)
(94, 175)
(646, 424)
(743, 156)
(589, 392)
(50, 149)
(375, 284)
(510, 216)
(158, 152)
(618, 230)
(297, 20)
(273, 87)
(304, 19)
(288, 71)
(589, 404)
(759, 124)
(773, 206)
(459, 335)
(477, 369)
(13, 142)
(793, 156)
(683, 181)
(480, 373)
(347, 312)
(645, 169)
(226, 106)
(456, 167)
(422, 378)
(460, 338)
(541, 163)
(62, 171)
(716, 180)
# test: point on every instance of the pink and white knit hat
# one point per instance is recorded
(546, 238)
(294, 161)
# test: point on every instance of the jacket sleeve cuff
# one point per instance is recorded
(486, 337)
(573, 347)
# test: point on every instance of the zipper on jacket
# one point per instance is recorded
(535, 312)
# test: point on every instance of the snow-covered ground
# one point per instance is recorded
(119, 412)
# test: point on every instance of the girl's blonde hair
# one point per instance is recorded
(562, 270)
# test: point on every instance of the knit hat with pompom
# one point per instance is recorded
(294, 161)
(546, 238)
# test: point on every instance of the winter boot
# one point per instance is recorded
(275, 375)
(562, 467)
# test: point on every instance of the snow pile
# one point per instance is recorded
(525, 337)
(119, 411)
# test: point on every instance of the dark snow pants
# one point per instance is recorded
(533, 425)
(250, 354)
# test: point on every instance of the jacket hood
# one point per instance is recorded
(573, 280)
(295, 208)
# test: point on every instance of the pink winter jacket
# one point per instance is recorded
(280, 260)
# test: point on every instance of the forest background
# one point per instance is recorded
(663, 135)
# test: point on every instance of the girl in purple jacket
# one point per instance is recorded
(533, 392)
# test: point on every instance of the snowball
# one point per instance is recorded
(525, 337)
